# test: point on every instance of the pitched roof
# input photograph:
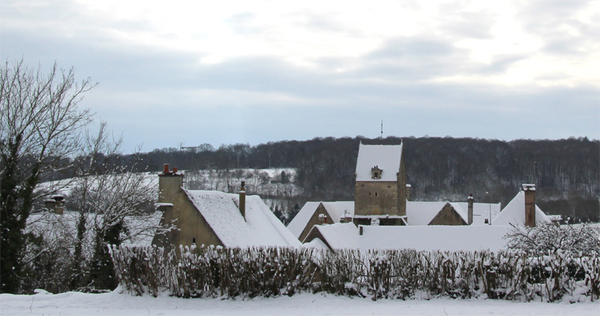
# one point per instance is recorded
(481, 211)
(451, 238)
(261, 227)
(421, 213)
(338, 236)
(385, 157)
(339, 209)
(336, 210)
(514, 212)
(299, 222)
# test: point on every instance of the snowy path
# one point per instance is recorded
(114, 304)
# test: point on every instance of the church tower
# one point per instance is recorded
(380, 193)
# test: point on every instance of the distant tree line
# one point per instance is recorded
(566, 172)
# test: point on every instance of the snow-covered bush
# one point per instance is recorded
(214, 271)
(405, 274)
(549, 238)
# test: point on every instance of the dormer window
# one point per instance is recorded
(376, 173)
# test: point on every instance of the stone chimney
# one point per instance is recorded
(169, 184)
(242, 202)
(470, 211)
(529, 190)
(56, 204)
(408, 189)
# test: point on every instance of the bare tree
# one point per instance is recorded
(114, 203)
(39, 127)
(548, 238)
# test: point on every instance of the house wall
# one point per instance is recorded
(448, 216)
(382, 197)
(383, 221)
(314, 220)
(315, 233)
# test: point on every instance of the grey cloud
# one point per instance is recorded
(174, 98)
(415, 59)
(463, 24)
(553, 22)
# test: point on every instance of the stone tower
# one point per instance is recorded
(380, 193)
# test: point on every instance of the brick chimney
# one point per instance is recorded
(470, 211)
(408, 191)
(169, 184)
(529, 190)
(323, 219)
(242, 202)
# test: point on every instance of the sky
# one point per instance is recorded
(225, 72)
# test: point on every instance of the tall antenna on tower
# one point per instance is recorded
(381, 137)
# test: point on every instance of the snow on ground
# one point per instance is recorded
(115, 304)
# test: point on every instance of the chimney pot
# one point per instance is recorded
(242, 200)
(166, 169)
(470, 210)
(529, 190)
(174, 169)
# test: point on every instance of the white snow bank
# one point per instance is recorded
(114, 304)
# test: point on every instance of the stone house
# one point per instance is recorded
(215, 218)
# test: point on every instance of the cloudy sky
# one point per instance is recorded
(224, 72)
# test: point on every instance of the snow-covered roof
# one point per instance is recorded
(450, 238)
(422, 213)
(385, 157)
(419, 213)
(316, 243)
(340, 235)
(514, 213)
(481, 211)
(339, 209)
(299, 222)
(336, 210)
(261, 227)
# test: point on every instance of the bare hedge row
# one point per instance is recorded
(404, 274)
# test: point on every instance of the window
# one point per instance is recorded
(376, 173)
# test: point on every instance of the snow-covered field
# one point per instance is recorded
(115, 304)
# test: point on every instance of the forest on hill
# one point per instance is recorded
(566, 172)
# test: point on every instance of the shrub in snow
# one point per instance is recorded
(214, 271)
(549, 238)
(218, 272)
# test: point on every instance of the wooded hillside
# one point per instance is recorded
(565, 171)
